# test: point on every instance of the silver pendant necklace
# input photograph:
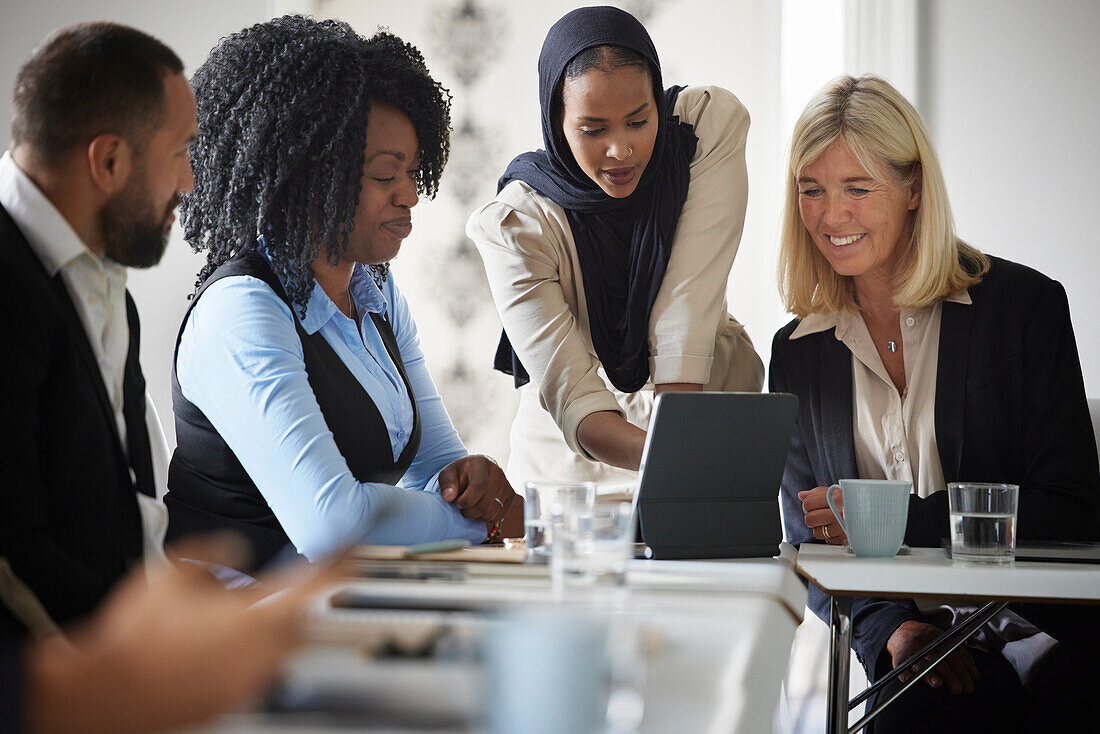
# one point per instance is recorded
(891, 344)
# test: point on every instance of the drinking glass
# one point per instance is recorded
(540, 501)
(595, 543)
(548, 673)
(983, 521)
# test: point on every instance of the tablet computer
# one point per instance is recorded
(711, 468)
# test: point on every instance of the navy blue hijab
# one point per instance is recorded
(623, 245)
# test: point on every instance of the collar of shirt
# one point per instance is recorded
(49, 234)
(368, 298)
(320, 308)
(843, 320)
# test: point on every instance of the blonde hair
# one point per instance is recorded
(889, 139)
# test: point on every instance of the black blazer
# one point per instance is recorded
(69, 519)
(1010, 407)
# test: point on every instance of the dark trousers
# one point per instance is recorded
(1065, 689)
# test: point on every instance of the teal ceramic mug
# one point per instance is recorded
(875, 514)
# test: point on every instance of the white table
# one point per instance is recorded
(926, 572)
(720, 633)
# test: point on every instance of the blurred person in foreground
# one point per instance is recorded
(163, 652)
(101, 120)
(918, 358)
(306, 417)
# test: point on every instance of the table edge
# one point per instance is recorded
(940, 595)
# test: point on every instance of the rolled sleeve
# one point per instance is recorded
(681, 368)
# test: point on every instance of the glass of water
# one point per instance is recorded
(983, 521)
(593, 544)
(540, 501)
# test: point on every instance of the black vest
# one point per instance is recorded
(208, 489)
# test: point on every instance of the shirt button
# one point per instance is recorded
(910, 321)
(899, 456)
(401, 434)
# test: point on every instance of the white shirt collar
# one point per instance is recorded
(818, 322)
(815, 323)
(48, 233)
(961, 296)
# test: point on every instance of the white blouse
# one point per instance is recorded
(894, 434)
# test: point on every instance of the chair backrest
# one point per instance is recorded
(1094, 411)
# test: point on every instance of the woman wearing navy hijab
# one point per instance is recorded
(608, 251)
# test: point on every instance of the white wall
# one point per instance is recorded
(191, 29)
(1011, 91)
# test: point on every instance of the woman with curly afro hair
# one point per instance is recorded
(305, 413)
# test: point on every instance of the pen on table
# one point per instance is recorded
(439, 546)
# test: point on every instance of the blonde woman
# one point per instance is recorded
(918, 358)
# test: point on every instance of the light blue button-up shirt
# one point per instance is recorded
(240, 362)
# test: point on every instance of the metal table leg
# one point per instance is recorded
(961, 632)
(840, 646)
(964, 629)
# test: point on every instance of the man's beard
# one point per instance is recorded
(133, 233)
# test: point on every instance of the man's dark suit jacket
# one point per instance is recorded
(69, 518)
(1010, 407)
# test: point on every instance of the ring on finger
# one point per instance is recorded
(499, 501)
(825, 531)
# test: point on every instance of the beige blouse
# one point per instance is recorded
(894, 434)
(535, 277)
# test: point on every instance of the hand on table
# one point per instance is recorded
(820, 518)
(479, 489)
(957, 671)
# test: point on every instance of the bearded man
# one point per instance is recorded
(102, 118)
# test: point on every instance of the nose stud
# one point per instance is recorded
(629, 152)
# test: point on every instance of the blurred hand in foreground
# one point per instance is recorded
(174, 651)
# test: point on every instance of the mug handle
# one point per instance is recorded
(829, 499)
